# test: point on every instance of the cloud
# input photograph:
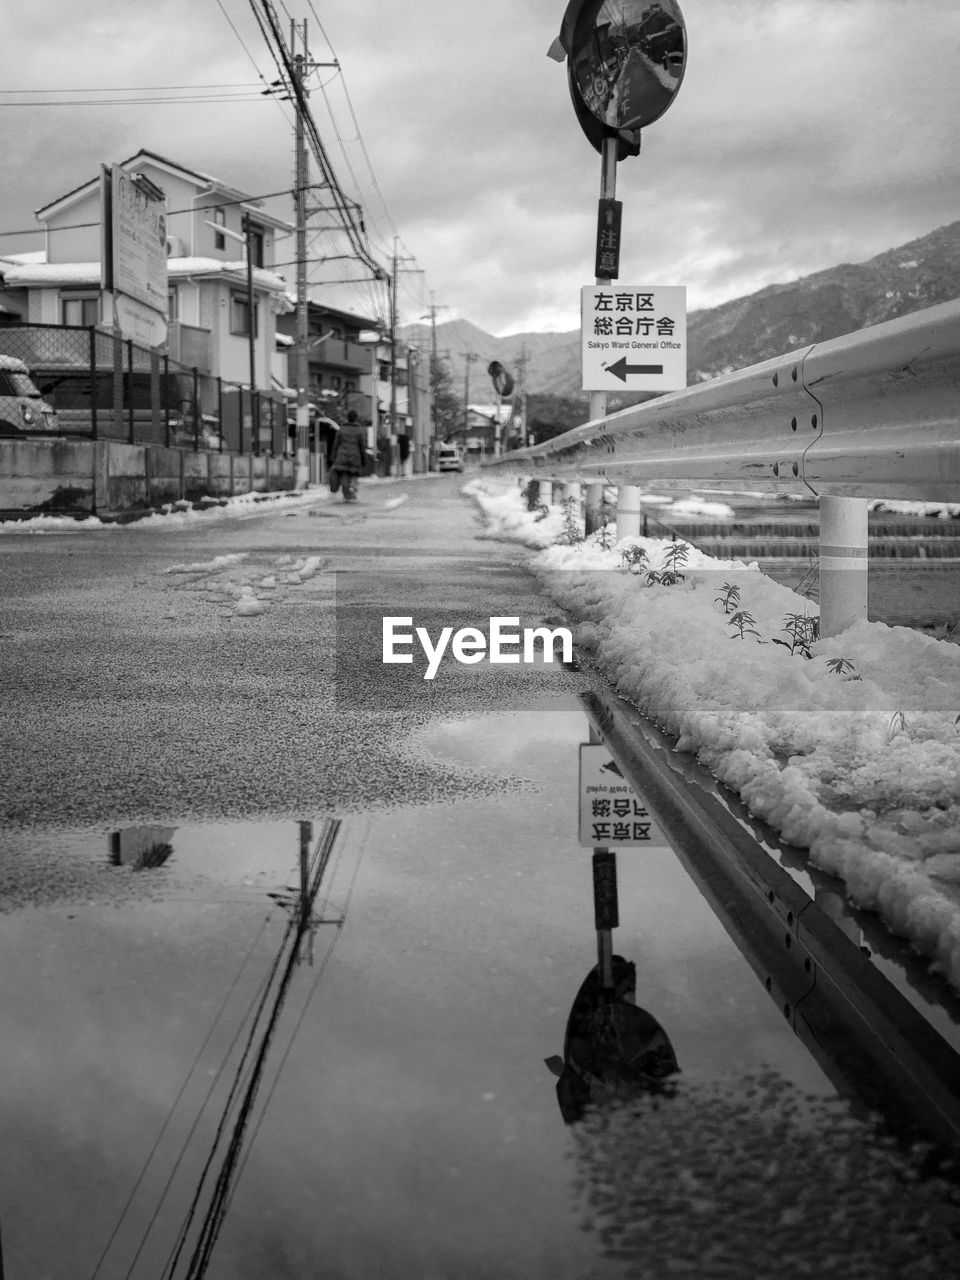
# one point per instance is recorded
(805, 132)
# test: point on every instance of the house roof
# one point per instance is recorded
(46, 211)
(50, 274)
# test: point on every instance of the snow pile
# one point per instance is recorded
(853, 754)
(945, 510)
(208, 566)
(177, 515)
(509, 520)
(686, 508)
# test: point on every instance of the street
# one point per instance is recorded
(180, 701)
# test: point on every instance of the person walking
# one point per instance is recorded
(349, 457)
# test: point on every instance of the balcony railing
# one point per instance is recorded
(190, 346)
(341, 354)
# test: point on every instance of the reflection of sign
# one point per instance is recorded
(611, 811)
(634, 337)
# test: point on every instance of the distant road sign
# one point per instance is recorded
(611, 811)
(634, 337)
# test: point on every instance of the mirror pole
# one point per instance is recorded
(608, 191)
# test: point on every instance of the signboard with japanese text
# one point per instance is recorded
(634, 337)
(134, 254)
(611, 811)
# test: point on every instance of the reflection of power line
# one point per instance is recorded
(302, 928)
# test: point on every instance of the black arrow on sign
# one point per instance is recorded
(621, 369)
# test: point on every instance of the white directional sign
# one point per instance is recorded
(634, 337)
(611, 811)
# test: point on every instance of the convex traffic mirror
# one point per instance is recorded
(625, 60)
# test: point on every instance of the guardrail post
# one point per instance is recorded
(593, 507)
(844, 562)
(546, 492)
(628, 511)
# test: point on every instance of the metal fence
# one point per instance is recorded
(105, 387)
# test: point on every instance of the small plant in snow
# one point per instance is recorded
(674, 561)
(898, 724)
(571, 534)
(729, 597)
(633, 558)
(803, 630)
(843, 667)
(745, 624)
(605, 536)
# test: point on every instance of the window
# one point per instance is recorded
(80, 308)
(240, 315)
(219, 240)
(173, 304)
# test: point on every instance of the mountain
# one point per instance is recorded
(768, 323)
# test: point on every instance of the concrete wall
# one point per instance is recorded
(107, 477)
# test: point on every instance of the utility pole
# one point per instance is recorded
(434, 358)
(251, 339)
(523, 359)
(393, 353)
(394, 272)
(303, 317)
(469, 356)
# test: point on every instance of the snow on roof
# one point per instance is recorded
(51, 273)
(36, 255)
(88, 273)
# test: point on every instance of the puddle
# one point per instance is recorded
(407, 1101)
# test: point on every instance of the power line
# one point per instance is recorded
(138, 102)
(137, 88)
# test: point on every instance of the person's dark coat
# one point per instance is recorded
(349, 451)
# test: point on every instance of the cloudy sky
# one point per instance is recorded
(805, 133)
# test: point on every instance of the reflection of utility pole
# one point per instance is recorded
(469, 356)
(304, 922)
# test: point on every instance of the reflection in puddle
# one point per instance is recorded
(140, 848)
(403, 1095)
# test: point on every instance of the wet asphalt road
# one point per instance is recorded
(415, 1131)
(133, 693)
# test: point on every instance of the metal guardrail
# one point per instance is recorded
(872, 414)
(869, 1039)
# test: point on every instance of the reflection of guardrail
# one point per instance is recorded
(872, 414)
(869, 1040)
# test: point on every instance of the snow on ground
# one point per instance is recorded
(852, 754)
(175, 515)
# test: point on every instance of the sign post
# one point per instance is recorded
(625, 62)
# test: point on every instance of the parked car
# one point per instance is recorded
(23, 409)
(449, 458)
(71, 389)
